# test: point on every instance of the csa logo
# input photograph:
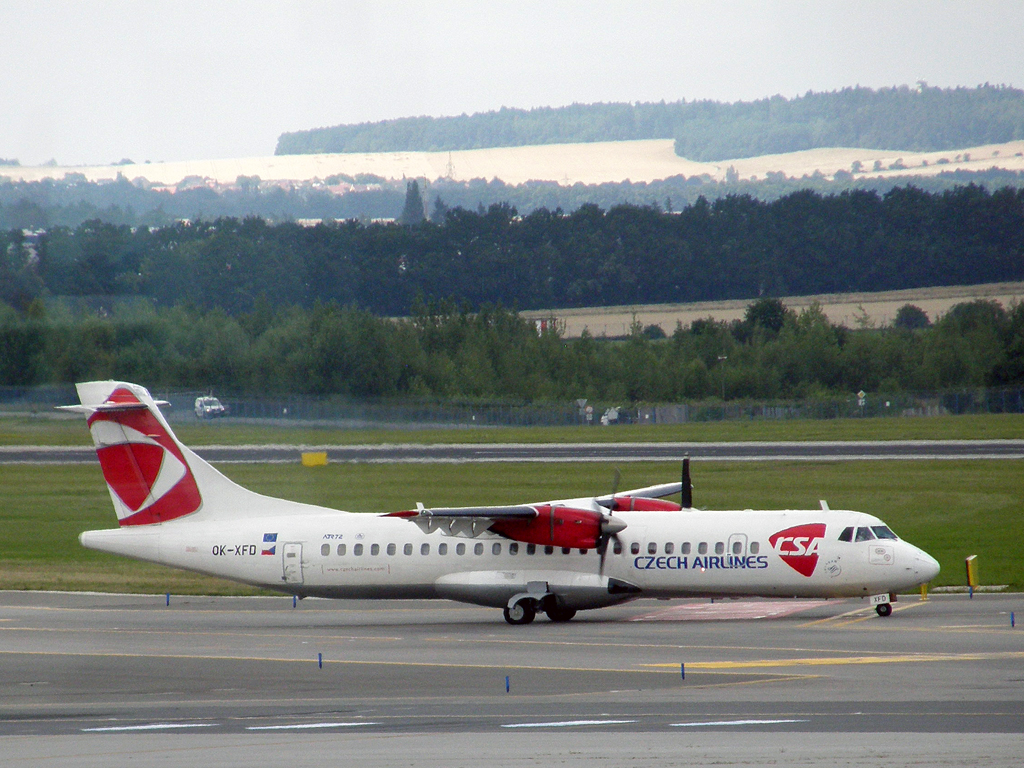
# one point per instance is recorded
(798, 546)
(144, 468)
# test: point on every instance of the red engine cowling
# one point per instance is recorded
(556, 526)
(638, 503)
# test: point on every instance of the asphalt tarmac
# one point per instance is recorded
(574, 452)
(89, 679)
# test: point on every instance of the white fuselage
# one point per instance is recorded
(313, 551)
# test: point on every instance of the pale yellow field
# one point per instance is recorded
(562, 163)
(853, 310)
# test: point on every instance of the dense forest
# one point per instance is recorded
(735, 247)
(901, 118)
(442, 352)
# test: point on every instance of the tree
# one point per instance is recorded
(767, 313)
(412, 213)
(440, 211)
(911, 318)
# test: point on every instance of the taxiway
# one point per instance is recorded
(90, 679)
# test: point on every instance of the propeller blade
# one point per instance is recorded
(602, 548)
(686, 501)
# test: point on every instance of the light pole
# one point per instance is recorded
(722, 359)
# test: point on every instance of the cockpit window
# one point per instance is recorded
(883, 532)
(864, 534)
(847, 534)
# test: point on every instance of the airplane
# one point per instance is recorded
(556, 557)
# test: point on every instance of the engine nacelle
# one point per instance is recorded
(642, 504)
(560, 527)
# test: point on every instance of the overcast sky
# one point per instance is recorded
(93, 82)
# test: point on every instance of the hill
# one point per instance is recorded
(921, 119)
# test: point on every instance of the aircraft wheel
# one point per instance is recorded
(522, 612)
(560, 614)
(884, 609)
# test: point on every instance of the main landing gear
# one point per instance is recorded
(884, 609)
(524, 611)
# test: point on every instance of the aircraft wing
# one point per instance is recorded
(464, 521)
(650, 492)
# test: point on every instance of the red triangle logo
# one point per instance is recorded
(797, 547)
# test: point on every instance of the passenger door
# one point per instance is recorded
(292, 559)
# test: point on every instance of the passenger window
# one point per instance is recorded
(566, 550)
(341, 549)
(407, 549)
(442, 548)
(325, 549)
(847, 534)
(548, 549)
(652, 548)
(392, 549)
(495, 548)
(864, 534)
(719, 548)
(883, 532)
(583, 551)
(737, 547)
(669, 547)
(617, 547)
(634, 548)
(702, 548)
(531, 549)
(424, 549)
(357, 550)
(754, 547)
(478, 548)
(513, 548)
(375, 549)
(685, 549)
(460, 548)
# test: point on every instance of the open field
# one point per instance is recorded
(951, 509)
(853, 310)
(62, 430)
(590, 163)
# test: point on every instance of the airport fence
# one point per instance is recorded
(356, 414)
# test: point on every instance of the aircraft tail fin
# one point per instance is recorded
(151, 476)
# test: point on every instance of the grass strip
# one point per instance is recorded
(46, 429)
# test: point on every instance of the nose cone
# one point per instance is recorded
(611, 525)
(927, 566)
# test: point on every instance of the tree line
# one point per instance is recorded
(735, 247)
(900, 118)
(73, 200)
(446, 352)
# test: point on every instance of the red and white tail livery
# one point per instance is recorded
(552, 556)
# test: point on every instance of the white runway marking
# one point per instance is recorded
(303, 726)
(567, 723)
(150, 727)
(734, 722)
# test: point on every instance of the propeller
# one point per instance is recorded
(610, 526)
(686, 494)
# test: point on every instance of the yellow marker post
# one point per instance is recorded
(972, 574)
(924, 591)
(314, 459)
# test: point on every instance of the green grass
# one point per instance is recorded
(950, 509)
(46, 430)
